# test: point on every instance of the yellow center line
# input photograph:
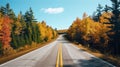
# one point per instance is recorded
(59, 61)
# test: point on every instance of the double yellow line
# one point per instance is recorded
(59, 61)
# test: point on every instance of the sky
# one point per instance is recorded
(58, 14)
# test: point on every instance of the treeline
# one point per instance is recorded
(62, 31)
(100, 31)
(21, 31)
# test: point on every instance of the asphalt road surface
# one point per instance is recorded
(47, 56)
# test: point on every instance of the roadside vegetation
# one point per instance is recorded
(100, 32)
(22, 31)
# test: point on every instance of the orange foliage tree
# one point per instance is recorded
(6, 30)
(5, 35)
(88, 32)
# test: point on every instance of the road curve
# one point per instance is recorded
(47, 55)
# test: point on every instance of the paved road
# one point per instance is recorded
(47, 55)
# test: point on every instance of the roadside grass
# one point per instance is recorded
(23, 51)
(109, 58)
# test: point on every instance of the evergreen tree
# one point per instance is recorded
(116, 25)
(107, 8)
(9, 12)
(29, 17)
(2, 10)
(98, 13)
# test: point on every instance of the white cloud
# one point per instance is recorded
(53, 10)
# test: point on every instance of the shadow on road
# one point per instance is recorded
(93, 62)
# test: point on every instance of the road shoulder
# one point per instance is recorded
(113, 60)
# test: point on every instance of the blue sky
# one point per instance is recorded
(57, 13)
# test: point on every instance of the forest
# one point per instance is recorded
(101, 31)
(21, 31)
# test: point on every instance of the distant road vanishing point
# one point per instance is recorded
(60, 53)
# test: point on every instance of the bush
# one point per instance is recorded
(8, 51)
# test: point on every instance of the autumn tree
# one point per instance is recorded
(18, 25)
(46, 32)
(5, 33)
(6, 29)
(89, 33)
(1, 34)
